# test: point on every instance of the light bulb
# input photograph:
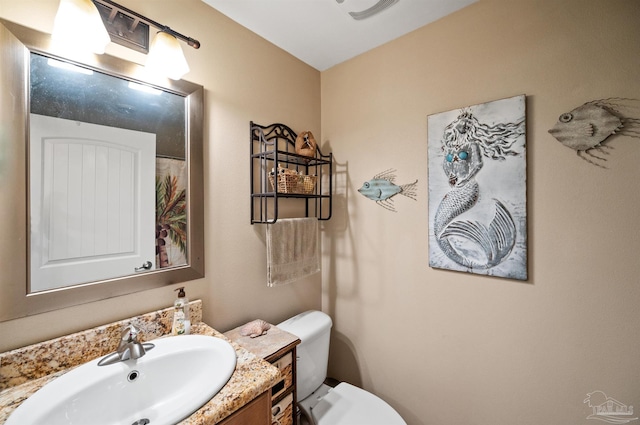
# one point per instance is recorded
(78, 24)
(166, 57)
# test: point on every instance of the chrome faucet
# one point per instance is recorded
(129, 347)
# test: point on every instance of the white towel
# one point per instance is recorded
(292, 250)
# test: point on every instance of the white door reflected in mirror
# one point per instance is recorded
(92, 202)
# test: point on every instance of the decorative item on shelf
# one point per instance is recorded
(306, 144)
(307, 184)
(255, 328)
(287, 180)
(291, 181)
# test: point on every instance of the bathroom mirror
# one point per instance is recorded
(106, 182)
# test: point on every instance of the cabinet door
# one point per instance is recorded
(257, 412)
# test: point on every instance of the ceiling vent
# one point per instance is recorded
(376, 8)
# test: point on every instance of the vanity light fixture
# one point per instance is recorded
(78, 24)
(165, 56)
(77, 21)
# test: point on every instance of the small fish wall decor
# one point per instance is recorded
(382, 188)
(585, 128)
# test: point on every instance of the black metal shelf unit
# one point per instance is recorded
(273, 147)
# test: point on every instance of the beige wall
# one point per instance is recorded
(245, 78)
(441, 347)
(453, 348)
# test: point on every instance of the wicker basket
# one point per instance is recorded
(307, 184)
(293, 183)
(287, 183)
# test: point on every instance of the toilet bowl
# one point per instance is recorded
(321, 404)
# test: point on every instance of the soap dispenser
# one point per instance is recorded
(181, 320)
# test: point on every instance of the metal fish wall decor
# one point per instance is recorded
(587, 127)
(382, 188)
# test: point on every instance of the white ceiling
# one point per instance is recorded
(321, 33)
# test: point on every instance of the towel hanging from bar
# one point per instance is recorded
(292, 250)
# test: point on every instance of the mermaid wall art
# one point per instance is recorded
(477, 189)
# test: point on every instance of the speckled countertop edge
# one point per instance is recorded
(26, 370)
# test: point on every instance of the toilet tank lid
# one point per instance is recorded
(308, 325)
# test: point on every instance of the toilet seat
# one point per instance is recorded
(349, 405)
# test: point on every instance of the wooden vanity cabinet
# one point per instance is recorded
(257, 412)
(278, 347)
(283, 397)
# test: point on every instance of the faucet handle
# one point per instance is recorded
(130, 333)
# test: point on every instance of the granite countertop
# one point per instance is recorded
(268, 346)
(25, 370)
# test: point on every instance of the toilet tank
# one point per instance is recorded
(313, 328)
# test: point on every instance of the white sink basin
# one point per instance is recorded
(166, 385)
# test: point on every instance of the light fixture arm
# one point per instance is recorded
(118, 8)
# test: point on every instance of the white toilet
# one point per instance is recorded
(343, 405)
